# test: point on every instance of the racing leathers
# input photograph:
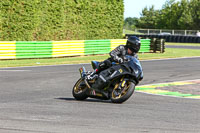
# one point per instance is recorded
(118, 55)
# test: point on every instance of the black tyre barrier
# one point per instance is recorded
(182, 39)
(187, 39)
(190, 39)
(175, 39)
(153, 36)
(171, 38)
(158, 36)
(167, 38)
(194, 39)
(198, 40)
(178, 39)
(160, 45)
(153, 45)
(157, 45)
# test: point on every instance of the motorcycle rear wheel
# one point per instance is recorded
(124, 95)
(79, 91)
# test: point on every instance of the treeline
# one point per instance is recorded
(34, 20)
(184, 14)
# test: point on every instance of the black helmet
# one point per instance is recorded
(133, 43)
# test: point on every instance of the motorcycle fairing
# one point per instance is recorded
(116, 71)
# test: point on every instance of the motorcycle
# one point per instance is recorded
(116, 83)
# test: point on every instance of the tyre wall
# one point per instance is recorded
(171, 38)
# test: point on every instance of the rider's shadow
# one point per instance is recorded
(87, 100)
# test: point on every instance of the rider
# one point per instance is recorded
(118, 55)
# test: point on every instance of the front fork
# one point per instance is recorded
(119, 87)
(83, 74)
(82, 71)
(122, 82)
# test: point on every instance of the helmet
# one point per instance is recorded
(133, 43)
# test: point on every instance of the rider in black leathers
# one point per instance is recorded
(118, 55)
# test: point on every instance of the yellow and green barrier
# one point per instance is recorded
(67, 48)
(48, 49)
(96, 47)
(33, 49)
(7, 50)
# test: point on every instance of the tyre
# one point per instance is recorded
(121, 95)
(79, 90)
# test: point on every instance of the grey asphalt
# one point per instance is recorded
(39, 100)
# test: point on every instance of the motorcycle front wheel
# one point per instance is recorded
(79, 90)
(121, 94)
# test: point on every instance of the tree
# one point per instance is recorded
(149, 18)
(195, 13)
(130, 23)
(169, 15)
(186, 20)
(184, 14)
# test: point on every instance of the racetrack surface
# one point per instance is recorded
(184, 47)
(39, 100)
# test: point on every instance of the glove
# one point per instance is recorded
(125, 58)
(120, 60)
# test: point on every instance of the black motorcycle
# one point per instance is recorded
(116, 83)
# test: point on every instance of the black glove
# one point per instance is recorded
(125, 59)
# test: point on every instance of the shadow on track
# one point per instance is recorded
(87, 100)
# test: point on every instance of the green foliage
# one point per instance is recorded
(129, 23)
(195, 13)
(41, 20)
(183, 14)
(148, 19)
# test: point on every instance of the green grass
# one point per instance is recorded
(51, 61)
(170, 53)
(183, 44)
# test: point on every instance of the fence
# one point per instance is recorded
(167, 32)
(48, 49)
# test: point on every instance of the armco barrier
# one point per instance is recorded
(33, 49)
(7, 50)
(48, 49)
(97, 47)
(68, 48)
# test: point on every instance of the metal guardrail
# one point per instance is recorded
(167, 31)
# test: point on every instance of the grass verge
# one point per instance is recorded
(169, 53)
